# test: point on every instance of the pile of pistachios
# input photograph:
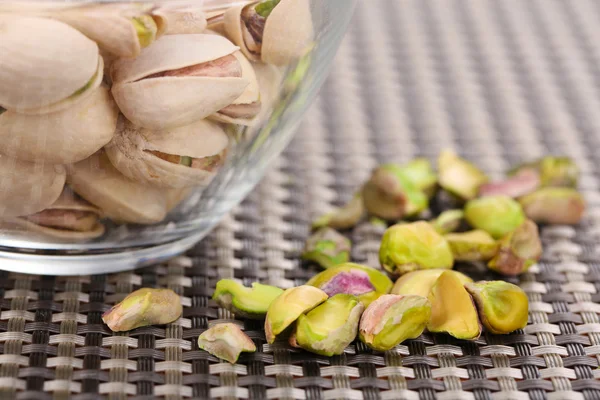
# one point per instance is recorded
(119, 110)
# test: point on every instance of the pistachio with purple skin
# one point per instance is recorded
(518, 251)
(226, 341)
(327, 248)
(520, 184)
(554, 205)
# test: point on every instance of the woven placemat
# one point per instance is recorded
(500, 82)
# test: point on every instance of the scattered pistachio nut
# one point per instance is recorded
(497, 215)
(410, 247)
(552, 171)
(330, 327)
(448, 221)
(359, 280)
(392, 319)
(503, 307)
(474, 245)
(519, 250)
(251, 303)
(344, 217)
(226, 341)
(420, 172)
(288, 306)
(452, 309)
(327, 248)
(554, 205)
(419, 283)
(458, 176)
(144, 307)
(520, 184)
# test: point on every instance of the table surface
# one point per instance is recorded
(500, 82)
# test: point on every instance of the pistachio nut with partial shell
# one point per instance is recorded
(178, 80)
(46, 65)
(61, 137)
(121, 199)
(274, 31)
(172, 158)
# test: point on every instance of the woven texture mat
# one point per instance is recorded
(499, 81)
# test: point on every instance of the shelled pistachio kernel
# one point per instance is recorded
(475, 245)
(452, 309)
(344, 217)
(554, 205)
(458, 176)
(448, 221)
(409, 247)
(519, 250)
(420, 173)
(497, 215)
(392, 319)
(503, 307)
(330, 327)
(251, 303)
(327, 248)
(288, 306)
(419, 283)
(359, 280)
(226, 341)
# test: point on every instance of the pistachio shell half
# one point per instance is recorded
(176, 158)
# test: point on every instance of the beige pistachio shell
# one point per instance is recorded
(287, 34)
(129, 153)
(176, 196)
(121, 199)
(269, 79)
(26, 187)
(62, 137)
(181, 21)
(167, 102)
(44, 64)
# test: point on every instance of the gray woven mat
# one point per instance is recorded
(499, 81)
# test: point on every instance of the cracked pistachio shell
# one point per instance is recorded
(130, 152)
(420, 172)
(144, 307)
(392, 319)
(359, 280)
(243, 301)
(178, 20)
(474, 245)
(344, 217)
(288, 306)
(287, 34)
(448, 221)
(497, 215)
(61, 137)
(327, 248)
(121, 199)
(552, 171)
(420, 282)
(171, 101)
(27, 188)
(410, 247)
(520, 184)
(503, 307)
(46, 65)
(519, 250)
(452, 309)
(554, 205)
(330, 327)
(458, 176)
(226, 341)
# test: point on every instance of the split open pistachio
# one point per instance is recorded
(554, 205)
(520, 184)
(327, 248)
(392, 319)
(359, 280)
(519, 250)
(226, 341)
(344, 217)
(497, 215)
(251, 303)
(458, 176)
(419, 283)
(448, 221)
(410, 247)
(288, 306)
(330, 327)
(474, 245)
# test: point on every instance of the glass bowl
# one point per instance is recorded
(130, 129)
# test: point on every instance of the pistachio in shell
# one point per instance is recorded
(497, 215)
(344, 217)
(519, 250)
(359, 280)
(458, 176)
(410, 247)
(288, 306)
(554, 205)
(330, 327)
(452, 309)
(392, 319)
(178, 80)
(327, 248)
(420, 282)
(119, 198)
(274, 31)
(226, 341)
(503, 307)
(61, 137)
(181, 20)
(251, 303)
(448, 221)
(33, 78)
(474, 245)
(172, 158)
